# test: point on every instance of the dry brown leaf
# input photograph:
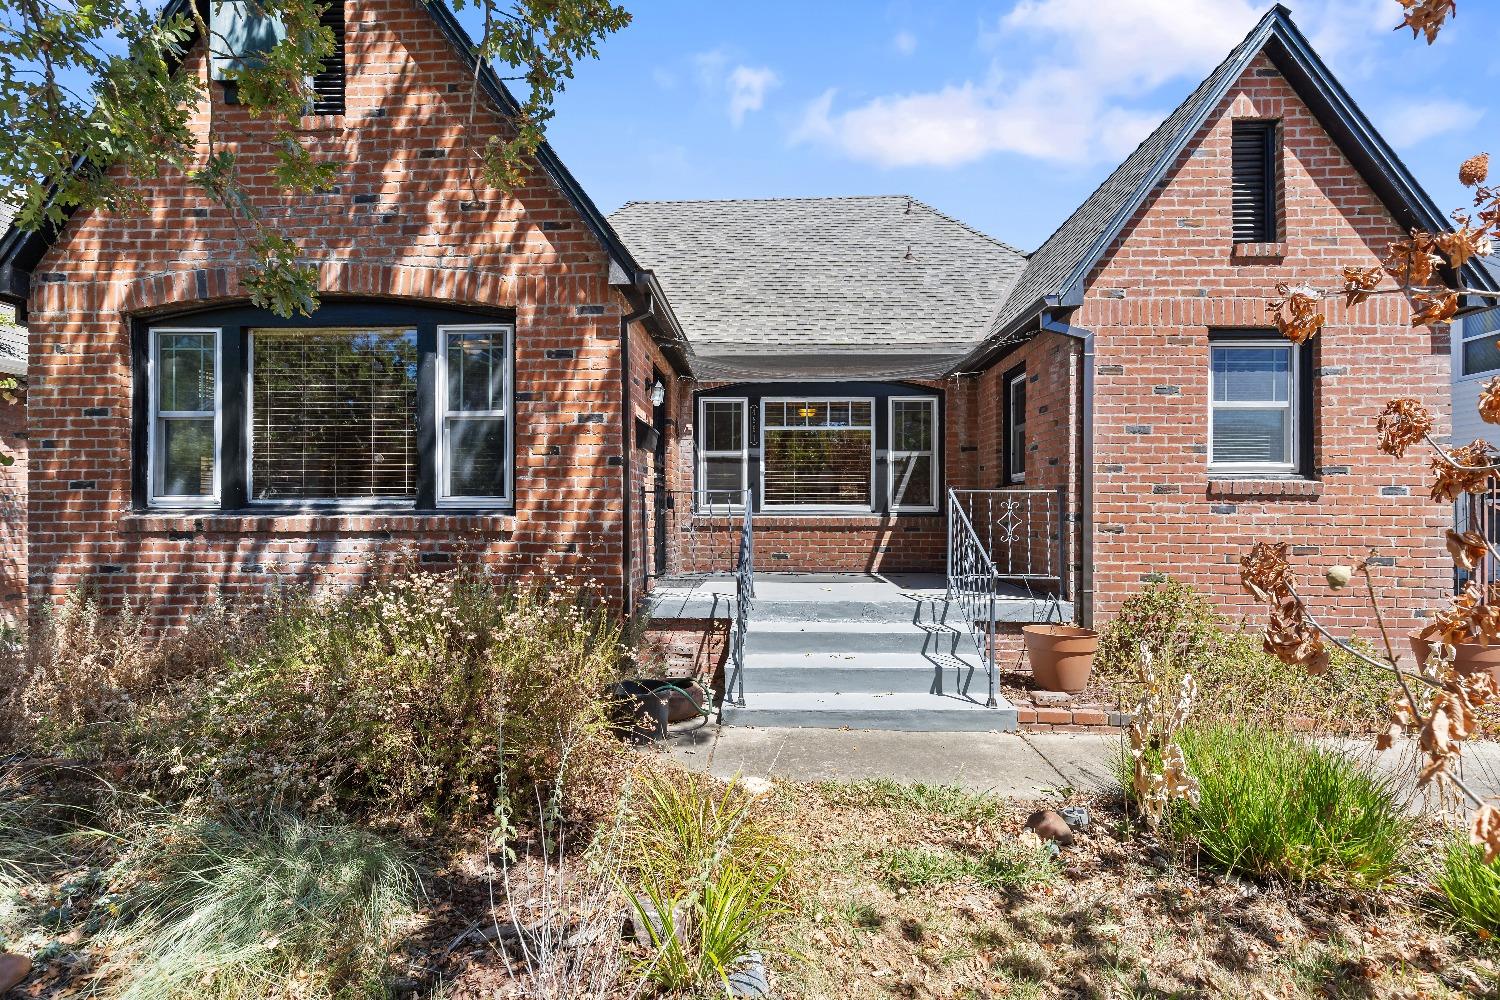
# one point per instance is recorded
(1484, 832)
(1434, 308)
(1475, 170)
(1359, 282)
(1264, 571)
(1426, 17)
(1463, 470)
(1468, 548)
(1402, 424)
(1489, 401)
(1413, 262)
(1296, 313)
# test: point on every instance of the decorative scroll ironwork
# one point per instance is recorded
(974, 585)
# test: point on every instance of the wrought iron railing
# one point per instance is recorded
(744, 594)
(1022, 531)
(973, 585)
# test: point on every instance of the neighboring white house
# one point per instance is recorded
(1476, 360)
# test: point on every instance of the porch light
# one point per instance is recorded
(658, 393)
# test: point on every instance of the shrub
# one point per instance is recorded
(703, 875)
(424, 692)
(1470, 888)
(1274, 805)
(274, 908)
(1237, 680)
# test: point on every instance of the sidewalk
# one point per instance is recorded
(1021, 765)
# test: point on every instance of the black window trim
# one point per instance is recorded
(879, 392)
(234, 324)
(1304, 412)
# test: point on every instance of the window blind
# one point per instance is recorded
(1253, 182)
(334, 414)
(328, 86)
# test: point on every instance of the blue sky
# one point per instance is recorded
(1005, 114)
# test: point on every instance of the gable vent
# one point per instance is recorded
(1254, 182)
(328, 86)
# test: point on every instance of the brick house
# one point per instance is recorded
(808, 386)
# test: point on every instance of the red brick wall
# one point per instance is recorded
(408, 219)
(1152, 301)
(13, 442)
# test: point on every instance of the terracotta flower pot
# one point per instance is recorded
(1468, 657)
(1061, 655)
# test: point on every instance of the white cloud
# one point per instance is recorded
(904, 42)
(1411, 122)
(747, 90)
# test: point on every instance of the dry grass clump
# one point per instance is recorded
(1237, 680)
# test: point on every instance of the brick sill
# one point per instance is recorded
(320, 123)
(1301, 489)
(303, 523)
(1259, 251)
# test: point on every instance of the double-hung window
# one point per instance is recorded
(1015, 428)
(1253, 406)
(182, 463)
(818, 453)
(723, 455)
(1480, 345)
(913, 453)
(374, 405)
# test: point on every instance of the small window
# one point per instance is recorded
(1015, 428)
(474, 391)
(1253, 408)
(183, 455)
(333, 414)
(1254, 181)
(723, 456)
(1481, 342)
(328, 86)
(818, 453)
(913, 453)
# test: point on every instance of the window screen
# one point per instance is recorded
(475, 447)
(1254, 181)
(185, 442)
(818, 453)
(913, 453)
(1254, 391)
(333, 414)
(722, 471)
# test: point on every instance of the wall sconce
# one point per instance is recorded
(658, 393)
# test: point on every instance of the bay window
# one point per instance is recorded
(366, 405)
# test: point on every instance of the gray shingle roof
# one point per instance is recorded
(873, 286)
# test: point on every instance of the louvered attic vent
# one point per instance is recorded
(1254, 182)
(328, 86)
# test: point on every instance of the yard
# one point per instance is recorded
(376, 794)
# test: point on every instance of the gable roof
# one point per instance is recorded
(20, 251)
(881, 286)
(1056, 271)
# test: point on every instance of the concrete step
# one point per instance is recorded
(902, 711)
(798, 637)
(871, 673)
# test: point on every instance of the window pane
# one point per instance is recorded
(1252, 374)
(723, 479)
(723, 425)
(818, 467)
(185, 462)
(911, 481)
(911, 426)
(1258, 436)
(334, 414)
(1018, 401)
(1482, 355)
(186, 363)
(476, 457)
(476, 371)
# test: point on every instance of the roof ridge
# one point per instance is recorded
(808, 197)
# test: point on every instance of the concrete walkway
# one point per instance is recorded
(1021, 765)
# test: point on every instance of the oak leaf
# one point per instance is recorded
(1489, 401)
(1484, 832)
(1426, 17)
(1468, 548)
(1360, 282)
(1401, 424)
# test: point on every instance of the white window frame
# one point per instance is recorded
(701, 495)
(1462, 335)
(322, 503)
(894, 455)
(1294, 391)
(155, 417)
(445, 417)
(765, 428)
(1015, 432)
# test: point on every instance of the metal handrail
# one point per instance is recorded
(744, 594)
(974, 585)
